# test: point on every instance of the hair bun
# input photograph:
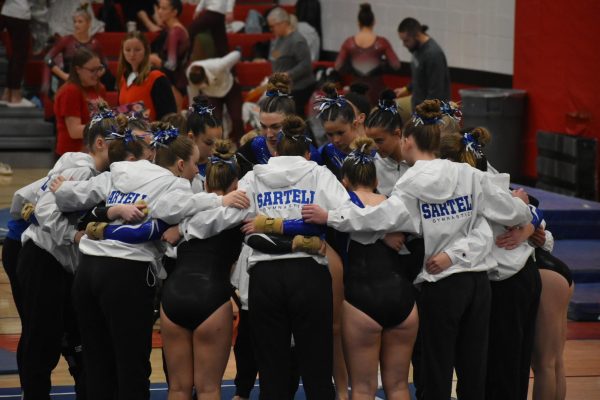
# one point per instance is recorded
(429, 109)
(279, 82)
(482, 135)
(365, 7)
(293, 126)
(363, 145)
(223, 149)
(330, 90)
(388, 97)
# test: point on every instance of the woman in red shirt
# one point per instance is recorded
(139, 83)
(75, 100)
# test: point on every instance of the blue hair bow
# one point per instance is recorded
(164, 137)
(418, 120)
(276, 93)
(359, 156)
(102, 115)
(391, 108)
(202, 110)
(472, 145)
(127, 136)
(452, 110)
(295, 138)
(323, 103)
(232, 162)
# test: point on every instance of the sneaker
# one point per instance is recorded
(24, 103)
(5, 169)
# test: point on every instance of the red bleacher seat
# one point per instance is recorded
(250, 74)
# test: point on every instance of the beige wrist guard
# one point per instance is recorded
(264, 224)
(95, 230)
(308, 244)
(27, 210)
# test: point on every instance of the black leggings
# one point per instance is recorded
(114, 303)
(233, 101)
(19, 34)
(292, 296)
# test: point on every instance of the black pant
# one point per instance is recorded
(213, 22)
(10, 260)
(115, 307)
(512, 326)
(455, 315)
(416, 355)
(301, 97)
(19, 33)
(233, 101)
(48, 323)
(292, 296)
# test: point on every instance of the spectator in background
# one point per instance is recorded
(142, 11)
(211, 16)
(138, 82)
(309, 34)
(75, 100)
(365, 55)
(213, 77)
(58, 59)
(290, 55)
(171, 48)
(60, 18)
(429, 69)
(16, 17)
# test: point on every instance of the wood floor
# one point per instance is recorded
(582, 356)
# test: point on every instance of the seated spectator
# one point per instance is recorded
(58, 59)
(213, 78)
(142, 12)
(60, 18)
(138, 82)
(290, 55)
(365, 55)
(76, 98)
(170, 50)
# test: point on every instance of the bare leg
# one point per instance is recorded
(550, 337)
(177, 347)
(561, 380)
(362, 344)
(212, 344)
(340, 373)
(396, 351)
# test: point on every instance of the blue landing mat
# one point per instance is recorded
(8, 362)
(568, 217)
(585, 303)
(582, 257)
(158, 392)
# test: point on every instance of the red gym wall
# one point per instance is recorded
(557, 60)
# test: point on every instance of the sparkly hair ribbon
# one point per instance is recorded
(295, 138)
(164, 137)
(231, 162)
(136, 116)
(393, 108)
(102, 114)
(127, 136)
(201, 110)
(323, 103)
(276, 93)
(360, 157)
(418, 120)
(452, 110)
(472, 145)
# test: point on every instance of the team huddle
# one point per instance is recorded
(395, 242)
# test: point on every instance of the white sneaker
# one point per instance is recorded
(24, 103)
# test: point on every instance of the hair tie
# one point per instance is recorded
(127, 136)
(276, 93)
(360, 157)
(136, 116)
(231, 162)
(101, 115)
(452, 110)
(164, 137)
(295, 138)
(201, 110)
(393, 108)
(472, 145)
(419, 120)
(323, 103)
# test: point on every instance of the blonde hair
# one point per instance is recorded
(222, 169)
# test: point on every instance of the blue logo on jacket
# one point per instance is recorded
(451, 209)
(117, 197)
(283, 197)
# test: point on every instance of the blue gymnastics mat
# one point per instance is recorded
(8, 362)
(585, 303)
(568, 217)
(158, 391)
(582, 257)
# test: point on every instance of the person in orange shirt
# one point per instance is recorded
(138, 82)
